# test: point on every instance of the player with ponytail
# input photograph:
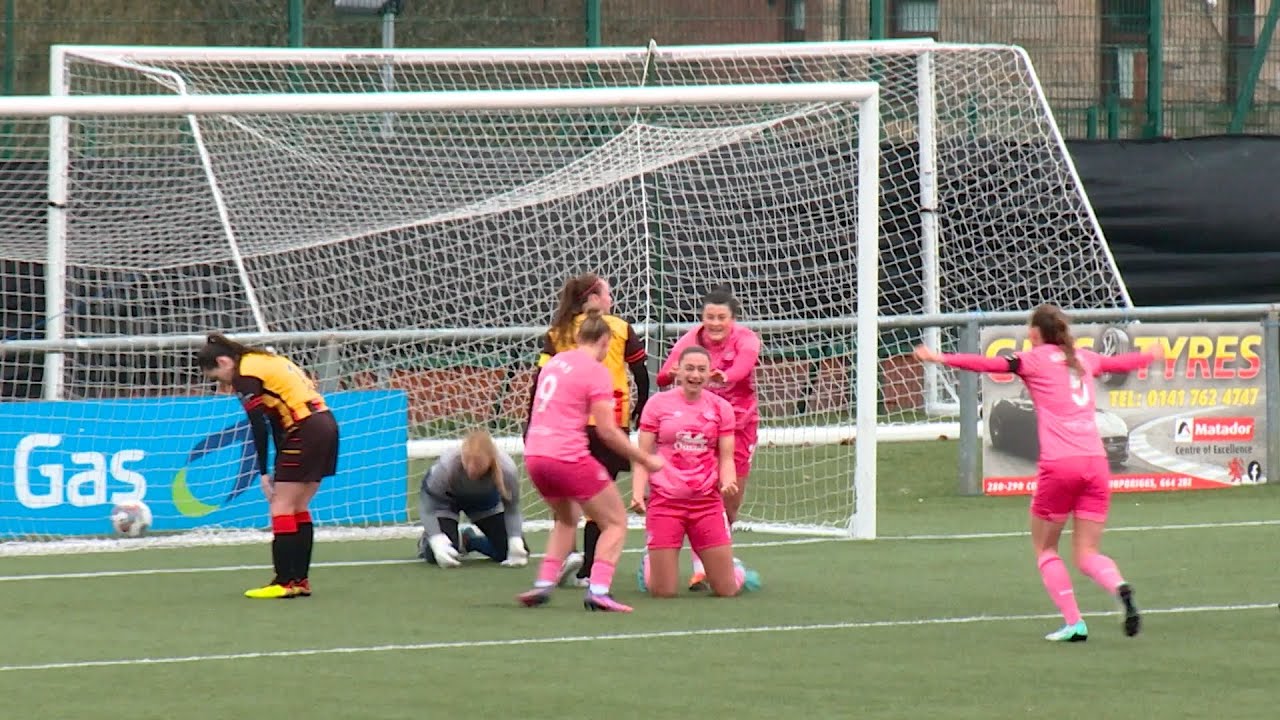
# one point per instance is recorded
(1073, 478)
(579, 295)
(282, 402)
(571, 388)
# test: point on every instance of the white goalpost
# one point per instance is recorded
(632, 132)
(409, 254)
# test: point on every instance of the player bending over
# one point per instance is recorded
(571, 388)
(734, 352)
(1073, 477)
(693, 431)
(278, 394)
(480, 480)
(579, 295)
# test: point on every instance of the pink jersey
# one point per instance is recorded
(688, 440)
(568, 385)
(1066, 413)
(736, 357)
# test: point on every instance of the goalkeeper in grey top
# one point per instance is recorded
(481, 481)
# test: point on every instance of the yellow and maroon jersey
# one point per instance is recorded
(624, 348)
(279, 387)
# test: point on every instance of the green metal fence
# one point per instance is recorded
(1111, 68)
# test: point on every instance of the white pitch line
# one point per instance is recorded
(576, 639)
(767, 543)
(1119, 529)
(336, 564)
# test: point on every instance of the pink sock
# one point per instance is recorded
(549, 572)
(1058, 583)
(645, 564)
(1102, 570)
(601, 576)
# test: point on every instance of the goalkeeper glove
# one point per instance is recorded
(517, 553)
(445, 553)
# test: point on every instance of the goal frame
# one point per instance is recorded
(939, 399)
(59, 108)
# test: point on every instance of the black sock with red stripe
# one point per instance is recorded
(284, 547)
(306, 539)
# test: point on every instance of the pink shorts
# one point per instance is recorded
(667, 521)
(555, 479)
(1079, 486)
(744, 449)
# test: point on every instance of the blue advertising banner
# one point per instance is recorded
(64, 464)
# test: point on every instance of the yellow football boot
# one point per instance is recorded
(274, 591)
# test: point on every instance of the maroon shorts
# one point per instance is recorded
(309, 451)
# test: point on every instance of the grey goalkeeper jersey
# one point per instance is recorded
(447, 491)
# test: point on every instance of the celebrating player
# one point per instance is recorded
(571, 388)
(693, 431)
(279, 396)
(734, 352)
(480, 480)
(581, 294)
(1073, 477)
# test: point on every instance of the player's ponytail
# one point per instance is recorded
(573, 297)
(479, 444)
(218, 345)
(723, 295)
(593, 328)
(1055, 329)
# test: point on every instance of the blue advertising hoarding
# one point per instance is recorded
(64, 464)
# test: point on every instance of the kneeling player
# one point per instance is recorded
(693, 431)
(480, 480)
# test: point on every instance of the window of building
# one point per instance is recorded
(914, 18)
(1241, 40)
(1125, 26)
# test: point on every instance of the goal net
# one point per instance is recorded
(422, 251)
(407, 249)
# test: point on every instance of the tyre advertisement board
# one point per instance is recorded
(1194, 420)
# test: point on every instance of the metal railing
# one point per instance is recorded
(967, 325)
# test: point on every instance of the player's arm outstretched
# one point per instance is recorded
(667, 373)
(1012, 363)
(744, 361)
(1127, 362)
(969, 361)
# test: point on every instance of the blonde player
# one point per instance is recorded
(734, 351)
(693, 431)
(480, 480)
(572, 388)
(1073, 476)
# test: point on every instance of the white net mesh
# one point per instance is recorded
(469, 222)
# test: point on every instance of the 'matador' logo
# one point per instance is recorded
(239, 435)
